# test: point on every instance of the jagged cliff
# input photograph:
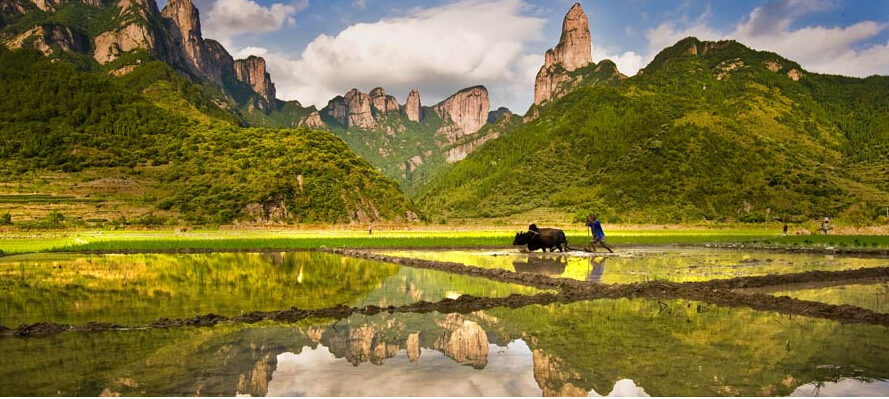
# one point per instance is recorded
(172, 35)
(573, 51)
(410, 142)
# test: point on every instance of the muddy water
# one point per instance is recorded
(634, 264)
(626, 347)
(139, 289)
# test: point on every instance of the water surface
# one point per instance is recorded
(629, 347)
(139, 289)
(640, 264)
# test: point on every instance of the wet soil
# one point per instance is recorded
(735, 292)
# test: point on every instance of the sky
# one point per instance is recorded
(317, 49)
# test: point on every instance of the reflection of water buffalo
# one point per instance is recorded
(549, 266)
(543, 239)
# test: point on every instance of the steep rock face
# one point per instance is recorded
(217, 62)
(253, 72)
(573, 51)
(412, 106)
(184, 25)
(136, 34)
(313, 121)
(352, 110)
(382, 102)
(467, 112)
(359, 113)
(463, 149)
(338, 109)
(44, 38)
(575, 47)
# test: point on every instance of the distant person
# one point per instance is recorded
(825, 225)
(784, 234)
(370, 230)
(598, 234)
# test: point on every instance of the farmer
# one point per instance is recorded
(598, 234)
(825, 225)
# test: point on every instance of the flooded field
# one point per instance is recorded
(627, 347)
(869, 296)
(577, 347)
(631, 265)
(139, 289)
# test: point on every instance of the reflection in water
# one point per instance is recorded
(623, 346)
(844, 387)
(630, 265)
(139, 289)
(597, 269)
(869, 296)
(552, 266)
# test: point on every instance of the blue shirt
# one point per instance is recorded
(596, 228)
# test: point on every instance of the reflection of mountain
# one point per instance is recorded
(463, 340)
(564, 349)
(552, 266)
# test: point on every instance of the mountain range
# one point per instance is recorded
(121, 110)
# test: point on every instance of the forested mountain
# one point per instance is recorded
(119, 111)
(707, 131)
(150, 147)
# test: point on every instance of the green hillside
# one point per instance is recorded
(172, 154)
(708, 131)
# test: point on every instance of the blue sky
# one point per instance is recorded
(318, 49)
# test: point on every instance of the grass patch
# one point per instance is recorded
(160, 240)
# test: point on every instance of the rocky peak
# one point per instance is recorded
(575, 47)
(45, 37)
(467, 110)
(573, 51)
(253, 72)
(184, 24)
(412, 106)
(358, 113)
(382, 102)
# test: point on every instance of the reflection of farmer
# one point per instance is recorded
(598, 234)
(597, 269)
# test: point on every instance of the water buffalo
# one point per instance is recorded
(544, 239)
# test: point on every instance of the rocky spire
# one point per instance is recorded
(573, 51)
(253, 72)
(358, 112)
(412, 106)
(575, 47)
(184, 24)
(382, 102)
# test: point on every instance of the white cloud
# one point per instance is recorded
(627, 63)
(360, 4)
(437, 50)
(820, 49)
(230, 18)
